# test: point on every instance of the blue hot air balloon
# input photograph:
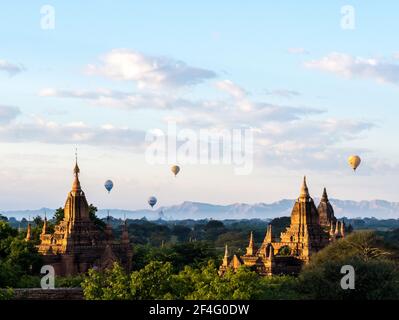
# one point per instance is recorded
(108, 185)
(152, 201)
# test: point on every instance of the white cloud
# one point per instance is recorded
(348, 66)
(148, 71)
(41, 130)
(286, 136)
(120, 99)
(308, 144)
(11, 68)
(231, 88)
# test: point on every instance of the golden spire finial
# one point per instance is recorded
(304, 189)
(76, 171)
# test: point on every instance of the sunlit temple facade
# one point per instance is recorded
(77, 243)
(311, 230)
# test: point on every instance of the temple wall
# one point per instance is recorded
(48, 294)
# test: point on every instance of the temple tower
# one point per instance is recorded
(77, 243)
(28, 232)
(304, 235)
(251, 246)
(326, 211)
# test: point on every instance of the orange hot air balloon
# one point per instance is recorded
(354, 162)
(175, 169)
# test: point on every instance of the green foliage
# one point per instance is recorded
(111, 284)
(18, 258)
(280, 224)
(6, 231)
(179, 255)
(28, 281)
(181, 232)
(376, 275)
(6, 294)
(234, 239)
(154, 281)
(157, 280)
(208, 285)
(69, 281)
(213, 229)
(38, 221)
(58, 215)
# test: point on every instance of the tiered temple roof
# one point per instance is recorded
(77, 243)
(310, 230)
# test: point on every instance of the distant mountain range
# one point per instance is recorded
(380, 209)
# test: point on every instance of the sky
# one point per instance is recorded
(313, 83)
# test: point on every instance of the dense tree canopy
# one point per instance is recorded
(19, 259)
(158, 281)
(376, 269)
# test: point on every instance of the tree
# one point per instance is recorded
(152, 282)
(111, 284)
(18, 258)
(7, 231)
(179, 255)
(376, 274)
(158, 281)
(181, 232)
(213, 229)
(38, 221)
(58, 215)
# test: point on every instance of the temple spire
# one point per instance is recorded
(332, 229)
(324, 197)
(28, 232)
(44, 229)
(304, 190)
(225, 262)
(76, 172)
(251, 246)
(269, 234)
(343, 229)
(337, 228)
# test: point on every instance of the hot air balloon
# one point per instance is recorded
(152, 201)
(175, 169)
(108, 185)
(354, 162)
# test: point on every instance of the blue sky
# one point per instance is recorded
(317, 93)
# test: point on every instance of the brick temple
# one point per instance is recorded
(77, 243)
(311, 230)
